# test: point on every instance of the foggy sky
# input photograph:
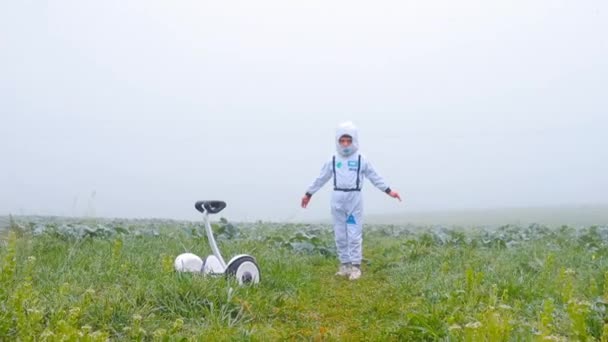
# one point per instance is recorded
(140, 108)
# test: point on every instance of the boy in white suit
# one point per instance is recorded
(348, 168)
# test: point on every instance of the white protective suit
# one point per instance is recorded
(348, 168)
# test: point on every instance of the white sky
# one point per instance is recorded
(155, 104)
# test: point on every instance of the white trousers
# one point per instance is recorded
(347, 213)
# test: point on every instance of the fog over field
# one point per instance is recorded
(138, 109)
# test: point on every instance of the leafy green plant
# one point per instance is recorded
(100, 280)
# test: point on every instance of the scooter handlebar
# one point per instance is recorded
(212, 207)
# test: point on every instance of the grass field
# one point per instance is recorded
(113, 280)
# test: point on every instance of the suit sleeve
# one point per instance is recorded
(373, 176)
(324, 176)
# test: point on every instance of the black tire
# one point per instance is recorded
(249, 275)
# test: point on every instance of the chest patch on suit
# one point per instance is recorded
(352, 166)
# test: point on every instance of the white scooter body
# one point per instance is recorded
(244, 267)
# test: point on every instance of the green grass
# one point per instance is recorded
(513, 284)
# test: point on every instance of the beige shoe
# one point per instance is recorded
(355, 273)
(343, 271)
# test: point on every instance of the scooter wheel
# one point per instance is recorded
(245, 270)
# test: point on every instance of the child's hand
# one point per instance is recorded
(395, 194)
(305, 201)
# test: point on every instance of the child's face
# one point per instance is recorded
(345, 141)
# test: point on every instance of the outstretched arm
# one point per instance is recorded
(324, 176)
(378, 181)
